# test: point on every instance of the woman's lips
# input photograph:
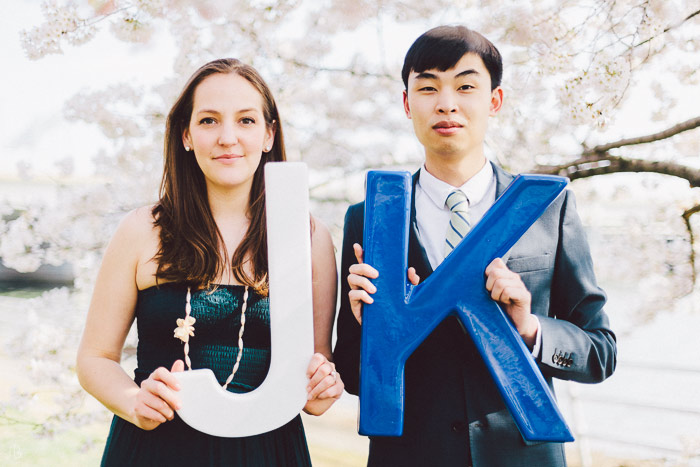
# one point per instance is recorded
(228, 158)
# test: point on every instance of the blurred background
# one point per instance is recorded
(605, 93)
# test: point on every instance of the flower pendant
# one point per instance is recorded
(185, 329)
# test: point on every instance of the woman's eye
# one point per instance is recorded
(207, 121)
(247, 121)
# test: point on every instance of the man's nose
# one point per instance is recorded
(446, 103)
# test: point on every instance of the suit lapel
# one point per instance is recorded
(417, 257)
(503, 179)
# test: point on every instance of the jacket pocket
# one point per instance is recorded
(530, 263)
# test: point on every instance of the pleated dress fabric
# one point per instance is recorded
(214, 346)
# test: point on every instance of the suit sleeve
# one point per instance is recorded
(577, 342)
(346, 354)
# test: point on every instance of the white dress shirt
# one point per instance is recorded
(433, 216)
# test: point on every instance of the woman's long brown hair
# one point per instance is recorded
(191, 244)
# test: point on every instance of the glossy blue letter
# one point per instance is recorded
(402, 316)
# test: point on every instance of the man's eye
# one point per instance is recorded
(466, 87)
(427, 88)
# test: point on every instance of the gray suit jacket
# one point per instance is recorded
(453, 413)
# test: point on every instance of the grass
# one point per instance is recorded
(20, 446)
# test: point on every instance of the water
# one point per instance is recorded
(14, 289)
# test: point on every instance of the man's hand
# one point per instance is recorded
(360, 285)
(507, 288)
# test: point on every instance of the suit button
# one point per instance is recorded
(460, 427)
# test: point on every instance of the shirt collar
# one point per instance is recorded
(475, 188)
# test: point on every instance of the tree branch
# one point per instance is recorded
(686, 218)
(606, 164)
(674, 130)
(363, 74)
(689, 17)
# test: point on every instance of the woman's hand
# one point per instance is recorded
(360, 285)
(325, 385)
(157, 398)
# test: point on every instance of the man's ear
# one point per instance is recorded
(406, 107)
(496, 101)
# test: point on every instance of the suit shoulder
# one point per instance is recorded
(355, 212)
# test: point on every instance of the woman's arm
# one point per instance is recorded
(325, 287)
(110, 316)
(325, 385)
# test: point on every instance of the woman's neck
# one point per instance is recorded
(229, 208)
(228, 204)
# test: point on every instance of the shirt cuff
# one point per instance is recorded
(538, 340)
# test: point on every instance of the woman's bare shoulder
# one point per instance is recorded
(138, 239)
(136, 232)
(138, 221)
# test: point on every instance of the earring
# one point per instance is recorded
(187, 148)
(267, 149)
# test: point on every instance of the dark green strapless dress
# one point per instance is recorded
(214, 346)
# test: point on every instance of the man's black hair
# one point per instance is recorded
(442, 47)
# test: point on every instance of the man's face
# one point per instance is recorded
(450, 109)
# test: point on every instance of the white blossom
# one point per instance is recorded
(569, 71)
(62, 23)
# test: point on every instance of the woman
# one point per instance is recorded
(202, 247)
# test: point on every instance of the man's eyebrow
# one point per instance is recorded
(426, 75)
(470, 71)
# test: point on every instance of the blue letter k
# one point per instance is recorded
(402, 316)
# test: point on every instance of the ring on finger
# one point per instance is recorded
(334, 374)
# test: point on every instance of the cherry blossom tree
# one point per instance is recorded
(577, 72)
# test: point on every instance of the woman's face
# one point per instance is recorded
(227, 130)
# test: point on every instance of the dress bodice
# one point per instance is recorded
(215, 346)
(215, 342)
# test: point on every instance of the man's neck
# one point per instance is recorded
(455, 172)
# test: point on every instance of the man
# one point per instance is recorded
(453, 413)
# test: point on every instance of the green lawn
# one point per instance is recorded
(20, 446)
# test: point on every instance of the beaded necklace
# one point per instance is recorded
(185, 329)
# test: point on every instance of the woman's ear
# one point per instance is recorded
(186, 142)
(269, 136)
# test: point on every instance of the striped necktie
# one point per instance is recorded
(459, 220)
